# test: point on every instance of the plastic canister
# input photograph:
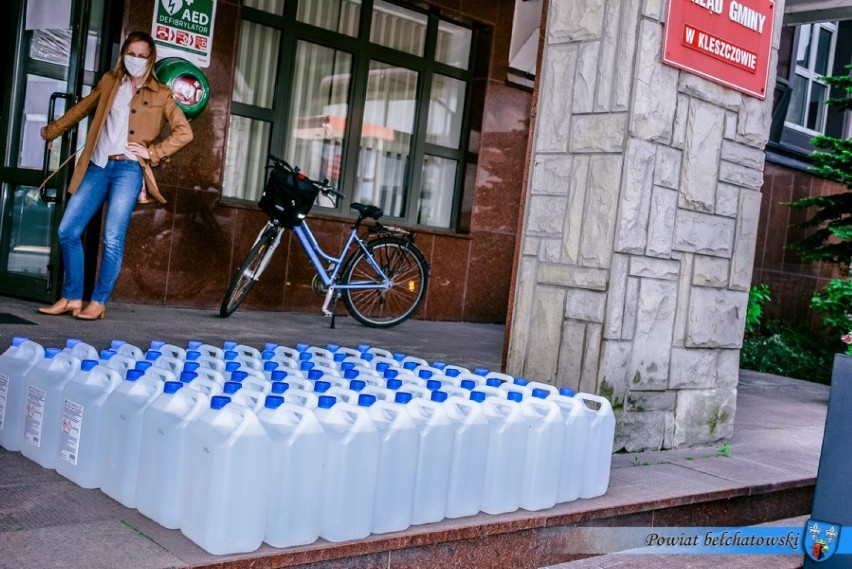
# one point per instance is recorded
(573, 451)
(81, 426)
(432, 481)
(507, 442)
(467, 464)
(397, 471)
(122, 435)
(303, 398)
(166, 361)
(122, 348)
(15, 363)
(546, 386)
(162, 467)
(351, 465)
(211, 362)
(160, 373)
(598, 462)
(43, 393)
(297, 454)
(543, 459)
(80, 349)
(249, 397)
(210, 351)
(244, 350)
(226, 443)
(211, 374)
(120, 363)
(168, 349)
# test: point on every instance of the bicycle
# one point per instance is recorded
(382, 281)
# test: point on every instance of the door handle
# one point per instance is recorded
(51, 111)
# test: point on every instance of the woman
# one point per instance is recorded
(130, 108)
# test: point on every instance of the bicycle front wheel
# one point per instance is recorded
(250, 271)
(405, 266)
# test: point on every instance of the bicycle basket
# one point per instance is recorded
(288, 196)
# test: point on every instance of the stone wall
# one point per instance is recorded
(640, 226)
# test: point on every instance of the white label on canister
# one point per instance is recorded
(35, 415)
(4, 390)
(69, 436)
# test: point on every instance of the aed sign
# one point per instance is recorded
(184, 28)
(726, 41)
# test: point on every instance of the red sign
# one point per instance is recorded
(726, 41)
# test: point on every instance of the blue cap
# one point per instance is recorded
(398, 356)
(86, 365)
(229, 345)
(468, 384)
(69, 343)
(157, 344)
(230, 355)
(269, 366)
(279, 387)
(107, 354)
(49, 353)
(332, 347)
(452, 372)
(481, 371)
(477, 396)
(269, 346)
(339, 356)
(267, 355)
(493, 381)
(516, 396)
(322, 386)
(367, 356)
(192, 355)
(305, 356)
(439, 365)
(363, 347)
(306, 366)
(394, 383)
(193, 345)
(134, 374)
(278, 375)
(152, 355)
(540, 393)
(187, 376)
(521, 381)
(231, 387)
(439, 396)
(238, 375)
(566, 391)
(402, 397)
(351, 373)
(390, 373)
(143, 364)
(382, 366)
(219, 401)
(171, 386)
(116, 344)
(232, 366)
(315, 374)
(433, 385)
(301, 347)
(425, 373)
(273, 401)
(346, 365)
(357, 384)
(191, 366)
(365, 399)
(410, 365)
(326, 401)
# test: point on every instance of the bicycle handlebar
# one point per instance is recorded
(325, 186)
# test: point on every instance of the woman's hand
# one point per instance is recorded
(43, 133)
(138, 150)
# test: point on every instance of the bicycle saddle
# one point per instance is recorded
(368, 210)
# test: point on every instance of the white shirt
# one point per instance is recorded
(113, 138)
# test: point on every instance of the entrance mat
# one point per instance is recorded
(6, 318)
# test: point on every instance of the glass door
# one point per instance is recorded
(56, 47)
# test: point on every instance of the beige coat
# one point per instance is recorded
(151, 107)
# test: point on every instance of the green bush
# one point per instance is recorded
(758, 295)
(789, 351)
(834, 304)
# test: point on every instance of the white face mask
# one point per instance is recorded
(136, 66)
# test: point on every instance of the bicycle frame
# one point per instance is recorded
(315, 252)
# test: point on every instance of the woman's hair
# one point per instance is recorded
(152, 54)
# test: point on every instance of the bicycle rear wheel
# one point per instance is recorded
(250, 270)
(404, 265)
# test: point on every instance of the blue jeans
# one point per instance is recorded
(119, 183)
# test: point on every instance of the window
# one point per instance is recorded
(366, 93)
(813, 54)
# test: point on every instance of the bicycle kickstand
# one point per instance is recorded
(334, 300)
